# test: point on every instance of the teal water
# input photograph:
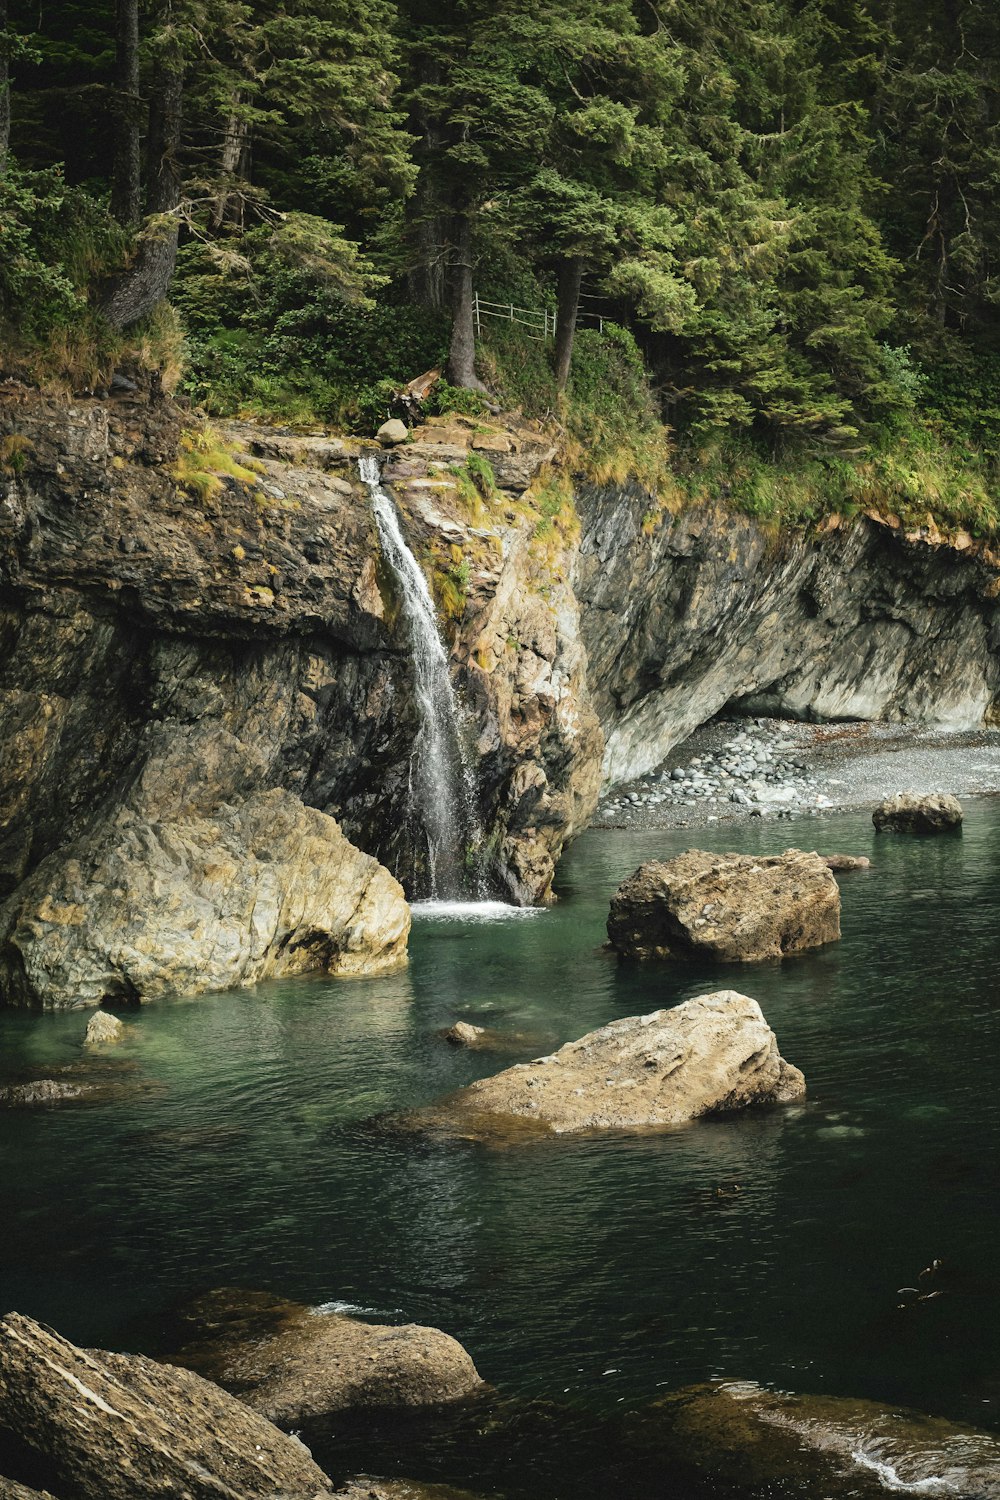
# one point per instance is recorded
(246, 1148)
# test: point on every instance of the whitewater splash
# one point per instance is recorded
(471, 911)
(441, 780)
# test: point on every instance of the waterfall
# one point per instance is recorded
(441, 779)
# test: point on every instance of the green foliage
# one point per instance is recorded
(612, 424)
(54, 241)
(445, 398)
(270, 337)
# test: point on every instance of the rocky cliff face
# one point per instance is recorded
(166, 658)
(711, 610)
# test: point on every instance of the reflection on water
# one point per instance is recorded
(597, 1273)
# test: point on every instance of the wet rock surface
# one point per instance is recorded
(731, 908)
(820, 1445)
(909, 812)
(295, 1364)
(715, 1053)
(840, 863)
(122, 1427)
(39, 1092)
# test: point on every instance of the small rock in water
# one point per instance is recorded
(103, 1028)
(837, 862)
(464, 1034)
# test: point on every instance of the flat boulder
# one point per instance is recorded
(294, 1364)
(122, 1427)
(732, 908)
(833, 1446)
(910, 812)
(711, 1055)
(142, 908)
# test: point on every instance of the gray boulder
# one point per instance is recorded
(292, 1363)
(911, 812)
(726, 907)
(712, 1054)
(142, 908)
(122, 1427)
(392, 432)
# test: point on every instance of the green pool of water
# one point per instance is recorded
(594, 1274)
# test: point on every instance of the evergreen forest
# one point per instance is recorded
(762, 237)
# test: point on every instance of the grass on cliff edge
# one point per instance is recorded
(917, 480)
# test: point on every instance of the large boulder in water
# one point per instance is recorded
(712, 1054)
(727, 907)
(809, 1446)
(293, 1364)
(256, 890)
(910, 812)
(122, 1427)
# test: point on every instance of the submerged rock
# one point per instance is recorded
(909, 812)
(840, 862)
(39, 1091)
(293, 1364)
(102, 1029)
(821, 1445)
(727, 907)
(261, 889)
(11, 1490)
(712, 1054)
(393, 1489)
(122, 1427)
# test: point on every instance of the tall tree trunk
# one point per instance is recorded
(426, 278)
(4, 89)
(145, 283)
(230, 197)
(126, 200)
(462, 350)
(568, 307)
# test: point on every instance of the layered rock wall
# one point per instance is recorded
(709, 609)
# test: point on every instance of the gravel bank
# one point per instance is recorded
(733, 769)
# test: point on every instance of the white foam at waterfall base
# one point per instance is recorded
(472, 911)
(440, 780)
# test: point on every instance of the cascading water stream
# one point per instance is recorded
(441, 780)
